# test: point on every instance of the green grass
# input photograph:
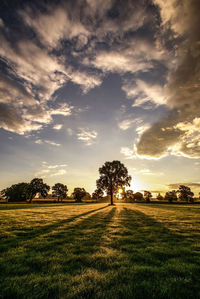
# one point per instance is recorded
(99, 251)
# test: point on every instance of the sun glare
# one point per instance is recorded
(119, 193)
(136, 185)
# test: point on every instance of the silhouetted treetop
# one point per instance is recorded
(112, 176)
(60, 190)
(78, 194)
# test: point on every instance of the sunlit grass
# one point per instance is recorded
(100, 251)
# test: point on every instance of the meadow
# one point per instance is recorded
(99, 251)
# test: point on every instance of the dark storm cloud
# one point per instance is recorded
(179, 132)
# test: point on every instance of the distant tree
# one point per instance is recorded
(129, 195)
(78, 194)
(17, 192)
(138, 196)
(87, 196)
(185, 193)
(171, 196)
(98, 193)
(37, 186)
(159, 197)
(112, 176)
(60, 190)
(147, 196)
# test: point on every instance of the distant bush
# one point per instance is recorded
(159, 197)
(171, 196)
(138, 196)
(78, 194)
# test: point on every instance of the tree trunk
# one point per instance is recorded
(111, 197)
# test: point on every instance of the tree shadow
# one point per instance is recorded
(29, 234)
(160, 263)
(63, 253)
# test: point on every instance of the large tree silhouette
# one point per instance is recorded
(112, 176)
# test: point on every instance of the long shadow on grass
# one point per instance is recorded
(28, 234)
(158, 263)
(46, 267)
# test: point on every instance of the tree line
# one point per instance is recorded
(113, 177)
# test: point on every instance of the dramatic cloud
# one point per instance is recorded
(13, 121)
(182, 93)
(156, 57)
(137, 55)
(21, 119)
(54, 25)
(85, 80)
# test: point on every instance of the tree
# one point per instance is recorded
(87, 196)
(171, 196)
(185, 193)
(98, 193)
(60, 191)
(159, 197)
(17, 192)
(37, 186)
(147, 196)
(138, 196)
(129, 195)
(78, 194)
(112, 176)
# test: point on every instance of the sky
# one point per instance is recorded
(88, 81)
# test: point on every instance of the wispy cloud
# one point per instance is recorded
(142, 92)
(128, 152)
(57, 127)
(87, 136)
(51, 170)
(128, 123)
(60, 172)
(40, 141)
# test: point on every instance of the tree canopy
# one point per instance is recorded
(60, 190)
(78, 194)
(112, 176)
(98, 193)
(171, 196)
(185, 193)
(16, 193)
(147, 196)
(37, 186)
(129, 195)
(138, 196)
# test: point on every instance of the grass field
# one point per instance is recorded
(99, 251)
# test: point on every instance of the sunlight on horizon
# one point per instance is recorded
(136, 185)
